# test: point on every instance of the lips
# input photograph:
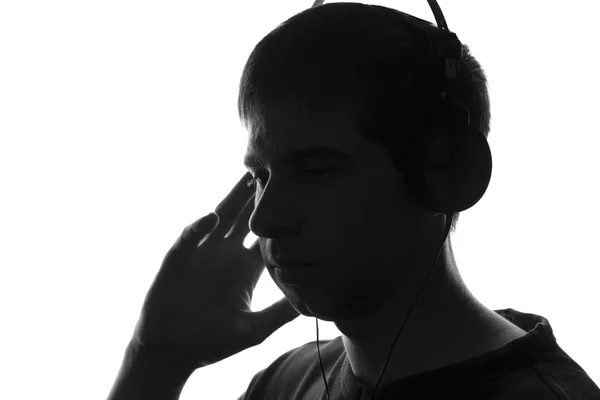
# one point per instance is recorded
(295, 276)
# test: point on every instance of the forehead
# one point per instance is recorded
(296, 134)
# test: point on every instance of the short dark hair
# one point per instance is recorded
(363, 59)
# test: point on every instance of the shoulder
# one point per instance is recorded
(294, 371)
(552, 377)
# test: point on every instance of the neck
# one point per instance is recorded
(446, 325)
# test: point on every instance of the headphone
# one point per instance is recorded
(447, 163)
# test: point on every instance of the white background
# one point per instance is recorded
(119, 127)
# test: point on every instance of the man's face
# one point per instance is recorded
(350, 216)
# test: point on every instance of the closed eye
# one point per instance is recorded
(311, 171)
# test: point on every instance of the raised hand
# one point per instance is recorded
(198, 307)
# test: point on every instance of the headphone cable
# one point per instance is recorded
(449, 217)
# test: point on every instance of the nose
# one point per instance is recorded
(273, 214)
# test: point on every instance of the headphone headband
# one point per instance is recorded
(443, 44)
(435, 8)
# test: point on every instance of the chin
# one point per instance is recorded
(307, 304)
(323, 310)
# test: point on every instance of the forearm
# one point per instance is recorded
(149, 377)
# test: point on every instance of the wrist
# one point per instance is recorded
(149, 374)
(157, 362)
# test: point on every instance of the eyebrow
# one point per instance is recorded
(253, 161)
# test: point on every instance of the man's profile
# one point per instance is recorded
(346, 77)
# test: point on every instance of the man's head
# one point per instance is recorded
(353, 78)
(363, 59)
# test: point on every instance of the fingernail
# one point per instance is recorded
(204, 221)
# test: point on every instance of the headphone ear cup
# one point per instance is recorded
(448, 170)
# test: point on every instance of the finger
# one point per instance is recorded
(194, 232)
(242, 227)
(255, 251)
(188, 241)
(231, 205)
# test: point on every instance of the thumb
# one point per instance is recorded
(273, 317)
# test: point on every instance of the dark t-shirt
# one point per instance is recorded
(532, 367)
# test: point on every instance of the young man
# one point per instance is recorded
(323, 97)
